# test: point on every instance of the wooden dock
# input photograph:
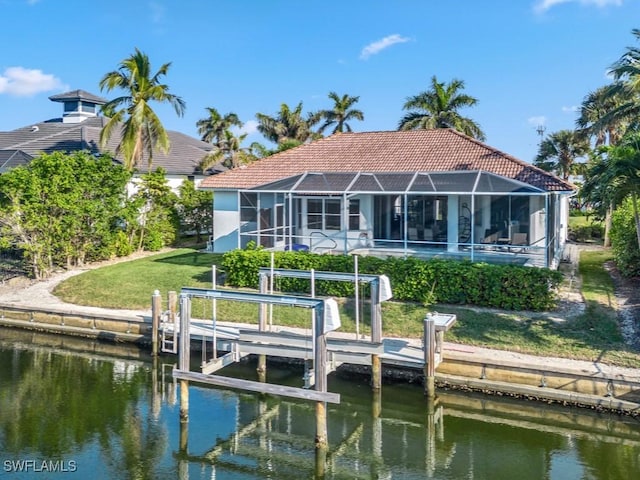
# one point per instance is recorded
(296, 343)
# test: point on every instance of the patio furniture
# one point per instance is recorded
(490, 238)
(519, 240)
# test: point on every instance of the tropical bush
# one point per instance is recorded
(61, 210)
(624, 240)
(591, 232)
(426, 281)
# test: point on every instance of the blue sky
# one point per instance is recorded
(528, 62)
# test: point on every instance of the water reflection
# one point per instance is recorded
(116, 414)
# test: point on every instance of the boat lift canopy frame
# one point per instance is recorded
(320, 343)
(373, 280)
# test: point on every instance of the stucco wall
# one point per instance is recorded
(226, 218)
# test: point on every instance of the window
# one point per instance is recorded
(280, 222)
(88, 107)
(354, 214)
(314, 214)
(332, 214)
(323, 214)
(70, 106)
(248, 207)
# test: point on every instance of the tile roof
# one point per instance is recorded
(54, 135)
(435, 150)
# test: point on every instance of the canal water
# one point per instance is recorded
(71, 408)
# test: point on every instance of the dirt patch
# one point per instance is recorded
(627, 293)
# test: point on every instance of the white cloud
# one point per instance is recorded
(571, 109)
(249, 127)
(542, 6)
(536, 121)
(24, 82)
(379, 45)
(157, 12)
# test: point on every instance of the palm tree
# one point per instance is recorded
(340, 114)
(596, 106)
(438, 108)
(212, 129)
(142, 130)
(229, 151)
(626, 73)
(616, 175)
(286, 125)
(559, 151)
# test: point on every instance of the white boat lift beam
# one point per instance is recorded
(319, 307)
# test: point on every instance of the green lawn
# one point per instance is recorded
(593, 335)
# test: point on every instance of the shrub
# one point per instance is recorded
(624, 240)
(425, 281)
(586, 233)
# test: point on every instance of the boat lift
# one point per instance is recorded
(325, 320)
(380, 291)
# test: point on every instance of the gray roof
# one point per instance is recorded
(78, 95)
(53, 135)
(13, 158)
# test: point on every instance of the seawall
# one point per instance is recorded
(585, 384)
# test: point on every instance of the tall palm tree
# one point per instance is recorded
(596, 122)
(616, 175)
(286, 125)
(229, 152)
(341, 113)
(559, 151)
(142, 130)
(212, 129)
(595, 107)
(438, 108)
(626, 73)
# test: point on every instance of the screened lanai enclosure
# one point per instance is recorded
(472, 215)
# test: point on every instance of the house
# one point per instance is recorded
(422, 192)
(79, 129)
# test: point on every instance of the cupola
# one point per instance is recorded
(78, 105)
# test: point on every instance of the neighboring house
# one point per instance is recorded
(79, 129)
(422, 192)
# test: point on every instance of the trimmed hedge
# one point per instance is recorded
(506, 287)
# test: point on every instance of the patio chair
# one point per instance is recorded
(519, 239)
(490, 238)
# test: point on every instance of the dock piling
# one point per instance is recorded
(262, 327)
(185, 354)
(320, 371)
(172, 305)
(429, 340)
(376, 335)
(156, 311)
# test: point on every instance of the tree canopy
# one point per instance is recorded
(63, 210)
(438, 107)
(560, 150)
(288, 124)
(340, 114)
(141, 128)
